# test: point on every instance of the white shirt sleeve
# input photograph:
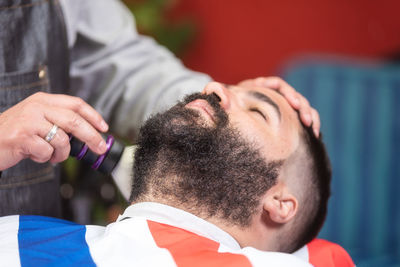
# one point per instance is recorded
(124, 75)
(9, 250)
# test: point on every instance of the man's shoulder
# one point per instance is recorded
(188, 247)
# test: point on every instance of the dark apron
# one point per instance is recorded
(33, 57)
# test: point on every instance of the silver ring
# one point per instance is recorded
(51, 134)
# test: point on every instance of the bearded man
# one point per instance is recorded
(228, 177)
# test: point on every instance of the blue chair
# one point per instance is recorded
(359, 105)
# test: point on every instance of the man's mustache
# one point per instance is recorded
(213, 100)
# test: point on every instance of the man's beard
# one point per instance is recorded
(210, 171)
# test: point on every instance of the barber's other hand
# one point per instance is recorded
(308, 115)
(23, 128)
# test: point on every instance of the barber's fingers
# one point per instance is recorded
(74, 123)
(283, 87)
(74, 116)
(275, 83)
(60, 142)
(316, 122)
(308, 115)
(24, 126)
(75, 104)
(304, 110)
(36, 148)
(61, 146)
(295, 99)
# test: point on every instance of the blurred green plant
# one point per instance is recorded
(151, 19)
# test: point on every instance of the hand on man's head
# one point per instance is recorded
(308, 115)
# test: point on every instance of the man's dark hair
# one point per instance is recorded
(317, 190)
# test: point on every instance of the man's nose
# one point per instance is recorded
(221, 91)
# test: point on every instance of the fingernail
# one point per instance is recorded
(104, 126)
(316, 133)
(307, 118)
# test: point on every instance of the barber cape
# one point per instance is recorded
(147, 234)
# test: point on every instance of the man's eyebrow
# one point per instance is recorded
(267, 99)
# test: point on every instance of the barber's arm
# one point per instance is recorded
(126, 76)
(123, 75)
(25, 126)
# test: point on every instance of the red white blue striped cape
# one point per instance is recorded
(147, 234)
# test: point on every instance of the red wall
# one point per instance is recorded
(238, 39)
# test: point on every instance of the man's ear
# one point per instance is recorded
(280, 204)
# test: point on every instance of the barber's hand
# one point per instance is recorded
(308, 115)
(24, 127)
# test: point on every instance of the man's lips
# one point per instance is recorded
(203, 107)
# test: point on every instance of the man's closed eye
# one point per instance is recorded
(256, 110)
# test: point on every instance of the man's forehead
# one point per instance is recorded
(285, 131)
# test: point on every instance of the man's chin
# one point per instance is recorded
(196, 120)
(203, 122)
